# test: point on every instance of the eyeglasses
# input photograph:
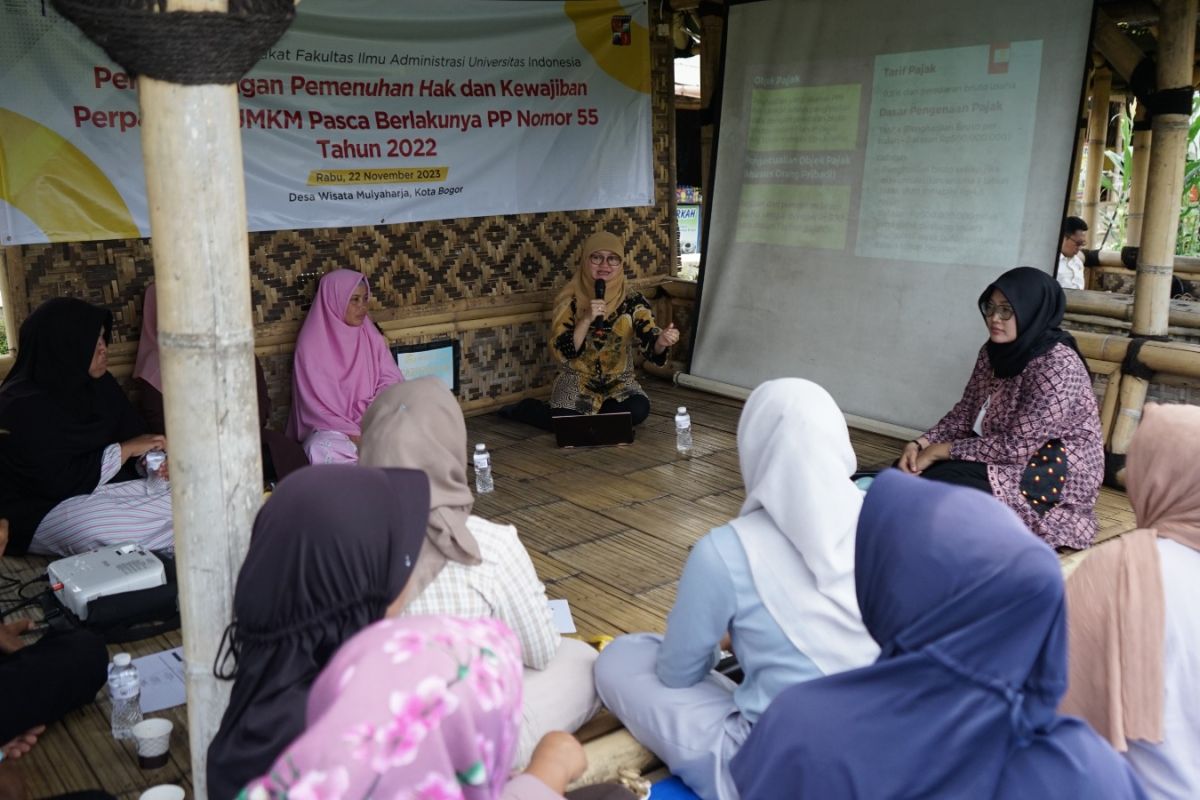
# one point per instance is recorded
(599, 258)
(989, 309)
(1077, 242)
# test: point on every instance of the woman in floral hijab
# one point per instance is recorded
(425, 708)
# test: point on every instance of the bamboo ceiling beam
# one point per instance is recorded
(1133, 12)
(191, 147)
(1117, 48)
(1152, 292)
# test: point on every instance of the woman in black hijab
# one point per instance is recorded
(72, 439)
(1027, 428)
(331, 550)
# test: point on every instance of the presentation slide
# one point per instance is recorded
(872, 179)
(942, 125)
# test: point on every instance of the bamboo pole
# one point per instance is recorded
(1183, 264)
(1172, 358)
(16, 297)
(192, 151)
(1073, 206)
(1101, 304)
(1120, 307)
(1101, 346)
(11, 327)
(1115, 325)
(713, 26)
(1127, 272)
(1151, 307)
(1097, 133)
(1137, 179)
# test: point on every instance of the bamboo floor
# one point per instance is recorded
(608, 529)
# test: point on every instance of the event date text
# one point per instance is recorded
(392, 148)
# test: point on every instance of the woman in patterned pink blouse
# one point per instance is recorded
(1027, 428)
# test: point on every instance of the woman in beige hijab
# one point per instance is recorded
(598, 324)
(594, 335)
(1132, 613)
(470, 567)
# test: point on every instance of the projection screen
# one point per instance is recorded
(878, 164)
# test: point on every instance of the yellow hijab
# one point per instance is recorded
(582, 288)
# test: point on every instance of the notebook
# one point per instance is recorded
(594, 430)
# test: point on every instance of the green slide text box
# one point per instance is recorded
(795, 216)
(805, 118)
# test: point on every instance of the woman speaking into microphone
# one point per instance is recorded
(597, 325)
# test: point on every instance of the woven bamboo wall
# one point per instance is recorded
(480, 268)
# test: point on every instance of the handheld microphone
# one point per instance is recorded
(599, 296)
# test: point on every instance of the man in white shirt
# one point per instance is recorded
(1070, 258)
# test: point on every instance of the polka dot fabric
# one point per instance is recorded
(1045, 476)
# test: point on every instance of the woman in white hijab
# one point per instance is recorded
(778, 581)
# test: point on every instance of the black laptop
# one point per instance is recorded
(594, 430)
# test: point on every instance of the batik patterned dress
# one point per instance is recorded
(603, 368)
(1050, 399)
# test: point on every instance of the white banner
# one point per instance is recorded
(366, 112)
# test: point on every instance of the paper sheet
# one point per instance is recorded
(163, 681)
(562, 616)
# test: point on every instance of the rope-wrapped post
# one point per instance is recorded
(191, 148)
(1170, 108)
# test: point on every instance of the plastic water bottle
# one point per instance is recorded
(683, 432)
(483, 470)
(155, 483)
(125, 689)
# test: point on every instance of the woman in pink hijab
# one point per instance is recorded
(424, 708)
(342, 362)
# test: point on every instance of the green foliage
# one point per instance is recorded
(1189, 211)
(3, 338)
(1116, 181)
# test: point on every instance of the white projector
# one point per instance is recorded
(82, 579)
